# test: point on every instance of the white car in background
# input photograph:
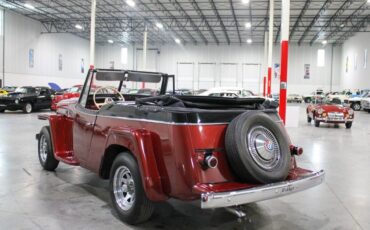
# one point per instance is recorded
(365, 104)
(340, 95)
(228, 92)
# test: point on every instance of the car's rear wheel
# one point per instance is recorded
(28, 108)
(2, 110)
(307, 100)
(348, 125)
(257, 149)
(317, 123)
(356, 106)
(127, 192)
(45, 150)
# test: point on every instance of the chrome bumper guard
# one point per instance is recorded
(260, 193)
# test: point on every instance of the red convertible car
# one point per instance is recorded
(223, 152)
(329, 111)
(67, 94)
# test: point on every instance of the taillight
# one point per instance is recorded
(295, 150)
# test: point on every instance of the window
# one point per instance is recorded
(321, 58)
(124, 56)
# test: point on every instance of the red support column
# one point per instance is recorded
(269, 77)
(264, 86)
(283, 79)
(285, 15)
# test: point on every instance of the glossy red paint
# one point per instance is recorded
(283, 79)
(64, 96)
(313, 111)
(264, 86)
(269, 77)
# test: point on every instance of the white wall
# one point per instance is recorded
(356, 78)
(107, 53)
(23, 34)
(298, 56)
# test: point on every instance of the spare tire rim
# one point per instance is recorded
(124, 188)
(43, 148)
(263, 147)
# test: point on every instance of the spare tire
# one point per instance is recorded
(257, 149)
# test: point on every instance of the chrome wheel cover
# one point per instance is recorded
(43, 149)
(124, 188)
(28, 108)
(263, 147)
(357, 107)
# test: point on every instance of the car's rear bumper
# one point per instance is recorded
(260, 193)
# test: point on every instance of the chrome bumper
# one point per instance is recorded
(260, 193)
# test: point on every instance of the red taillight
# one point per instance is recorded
(295, 150)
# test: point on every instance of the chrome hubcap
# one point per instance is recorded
(124, 188)
(43, 149)
(263, 147)
(28, 108)
(357, 107)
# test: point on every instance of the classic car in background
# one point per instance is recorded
(199, 91)
(220, 152)
(27, 98)
(317, 95)
(3, 92)
(340, 95)
(295, 98)
(180, 92)
(239, 92)
(9, 89)
(365, 104)
(330, 111)
(355, 102)
(148, 92)
(275, 97)
(65, 94)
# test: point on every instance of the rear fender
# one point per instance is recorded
(140, 144)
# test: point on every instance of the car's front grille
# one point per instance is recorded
(6, 102)
(336, 116)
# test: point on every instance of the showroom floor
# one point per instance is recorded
(74, 198)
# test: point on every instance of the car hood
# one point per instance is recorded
(333, 108)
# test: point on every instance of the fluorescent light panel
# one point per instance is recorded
(29, 6)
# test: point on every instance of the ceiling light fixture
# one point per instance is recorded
(78, 26)
(178, 41)
(110, 41)
(324, 42)
(342, 25)
(130, 3)
(29, 6)
(248, 25)
(245, 1)
(249, 41)
(159, 25)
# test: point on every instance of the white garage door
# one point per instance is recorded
(251, 77)
(206, 76)
(185, 75)
(229, 75)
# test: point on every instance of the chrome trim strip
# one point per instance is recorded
(260, 193)
(163, 122)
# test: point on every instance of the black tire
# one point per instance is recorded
(309, 119)
(246, 160)
(28, 108)
(317, 123)
(142, 208)
(2, 110)
(47, 159)
(356, 106)
(307, 100)
(348, 125)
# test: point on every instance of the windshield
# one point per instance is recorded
(326, 100)
(74, 90)
(24, 90)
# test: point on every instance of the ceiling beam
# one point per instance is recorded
(214, 8)
(325, 6)
(303, 12)
(236, 21)
(338, 13)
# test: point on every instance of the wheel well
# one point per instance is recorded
(109, 155)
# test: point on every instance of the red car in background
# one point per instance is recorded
(73, 92)
(329, 111)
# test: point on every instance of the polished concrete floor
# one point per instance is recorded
(74, 198)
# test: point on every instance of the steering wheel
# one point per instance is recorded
(107, 100)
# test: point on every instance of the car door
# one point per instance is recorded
(83, 126)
